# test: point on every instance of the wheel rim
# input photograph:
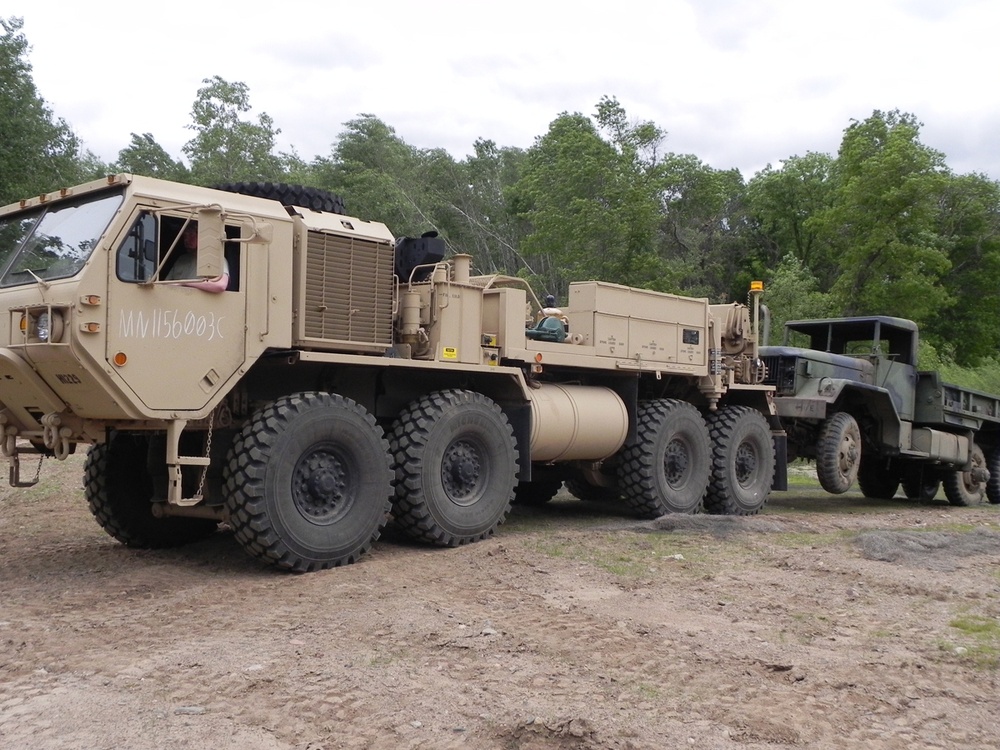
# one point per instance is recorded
(322, 484)
(676, 463)
(746, 464)
(971, 485)
(848, 454)
(463, 471)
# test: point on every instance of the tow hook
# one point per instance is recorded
(55, 437)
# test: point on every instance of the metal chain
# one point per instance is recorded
(208, 455)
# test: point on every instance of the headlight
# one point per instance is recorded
(42, 327)
(48, 326)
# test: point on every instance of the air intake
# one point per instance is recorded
(347, 293)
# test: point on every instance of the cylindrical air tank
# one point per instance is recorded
(576, 422)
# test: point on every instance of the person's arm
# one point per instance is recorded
(218, 284)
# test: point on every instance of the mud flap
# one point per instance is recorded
(780, 481)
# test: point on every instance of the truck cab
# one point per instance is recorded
(823, 361)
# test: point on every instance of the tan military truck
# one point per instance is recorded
(344, 376)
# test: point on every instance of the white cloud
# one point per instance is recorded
(737, 84)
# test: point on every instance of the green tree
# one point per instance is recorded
(792, 293)
(227, 147)
(38, 152)
(968, 222)
(484, 224)
(379, 175)
(413, 190)
(881, 224)
(145, 156)
(591, 204)
(783, 202)
(702, 228)
(296, 170)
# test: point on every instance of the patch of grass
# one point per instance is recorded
(978, 626)
(806, 540)
(628, 554)
(884, 633)
(981, 642)
(957, 527)
(646, 691)
(803, 481)
(380, 661)
(802, 474)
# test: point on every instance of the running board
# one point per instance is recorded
(175, 489)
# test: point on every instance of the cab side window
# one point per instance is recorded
(148, 238)
(137, 257)
(232, 252)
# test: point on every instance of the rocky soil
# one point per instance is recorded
(822, 623)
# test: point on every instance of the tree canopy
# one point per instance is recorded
(882, 226)
(38, 151)
(227, 147)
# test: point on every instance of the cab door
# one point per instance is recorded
(172, 345)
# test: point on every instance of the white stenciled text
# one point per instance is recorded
(169, 324)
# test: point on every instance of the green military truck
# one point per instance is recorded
(341, 375)
(852, 397)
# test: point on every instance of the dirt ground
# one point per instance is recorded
(823, 623)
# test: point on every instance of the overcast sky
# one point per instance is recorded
(737, 83)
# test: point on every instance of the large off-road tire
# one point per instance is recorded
(119, 492)
(920, 483)
(289, 195)
(665, 468)
(456, 467)
(959, 486)
(743, 461)
(993, 485)
(536, 493)
(838, 453)
(878, 477)
(308, 482)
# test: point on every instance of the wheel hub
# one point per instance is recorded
(676, 461)
(848, 455)
(746, 464)
(320, 484)
(461, 471)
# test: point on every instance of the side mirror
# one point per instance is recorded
(257, 232)
(210, 233)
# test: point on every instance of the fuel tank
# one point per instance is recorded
(576, 422)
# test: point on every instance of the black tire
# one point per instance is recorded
(993, 485)
(920, 483)
(537, 492)
(456, 467)
(289, 195)
(665, 468)
(878, 478)
(119, 492)
(959, 486)
(838, 453)
(743, 461)
(308, 482)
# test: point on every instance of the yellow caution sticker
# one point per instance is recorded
(450, 352)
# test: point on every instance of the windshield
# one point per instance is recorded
(55, 242)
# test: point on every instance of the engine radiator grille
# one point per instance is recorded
(781, 374)
(347, 293)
